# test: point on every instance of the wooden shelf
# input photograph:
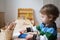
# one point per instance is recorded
(27, 13)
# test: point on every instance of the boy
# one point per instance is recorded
(47, 28)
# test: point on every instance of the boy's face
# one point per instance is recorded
(45, 19)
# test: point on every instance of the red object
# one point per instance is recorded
(21, 33)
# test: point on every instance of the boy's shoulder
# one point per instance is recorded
(52, 26)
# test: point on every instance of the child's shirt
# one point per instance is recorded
(49, 31)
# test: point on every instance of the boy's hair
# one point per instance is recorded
(50, 9)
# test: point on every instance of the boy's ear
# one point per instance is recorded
(50, 17)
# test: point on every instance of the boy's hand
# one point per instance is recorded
(29, 36)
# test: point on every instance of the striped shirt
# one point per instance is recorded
(49, 31)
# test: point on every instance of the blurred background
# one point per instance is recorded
(26, 9)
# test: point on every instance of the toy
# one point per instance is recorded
(22, 35)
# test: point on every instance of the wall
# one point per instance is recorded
(10, 11)
(57, 3)
(2, 6)
(48, 2)
(11, 8)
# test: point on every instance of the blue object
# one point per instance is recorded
(22, 36)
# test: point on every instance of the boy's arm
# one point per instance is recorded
(50, 35)
(36, 29)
